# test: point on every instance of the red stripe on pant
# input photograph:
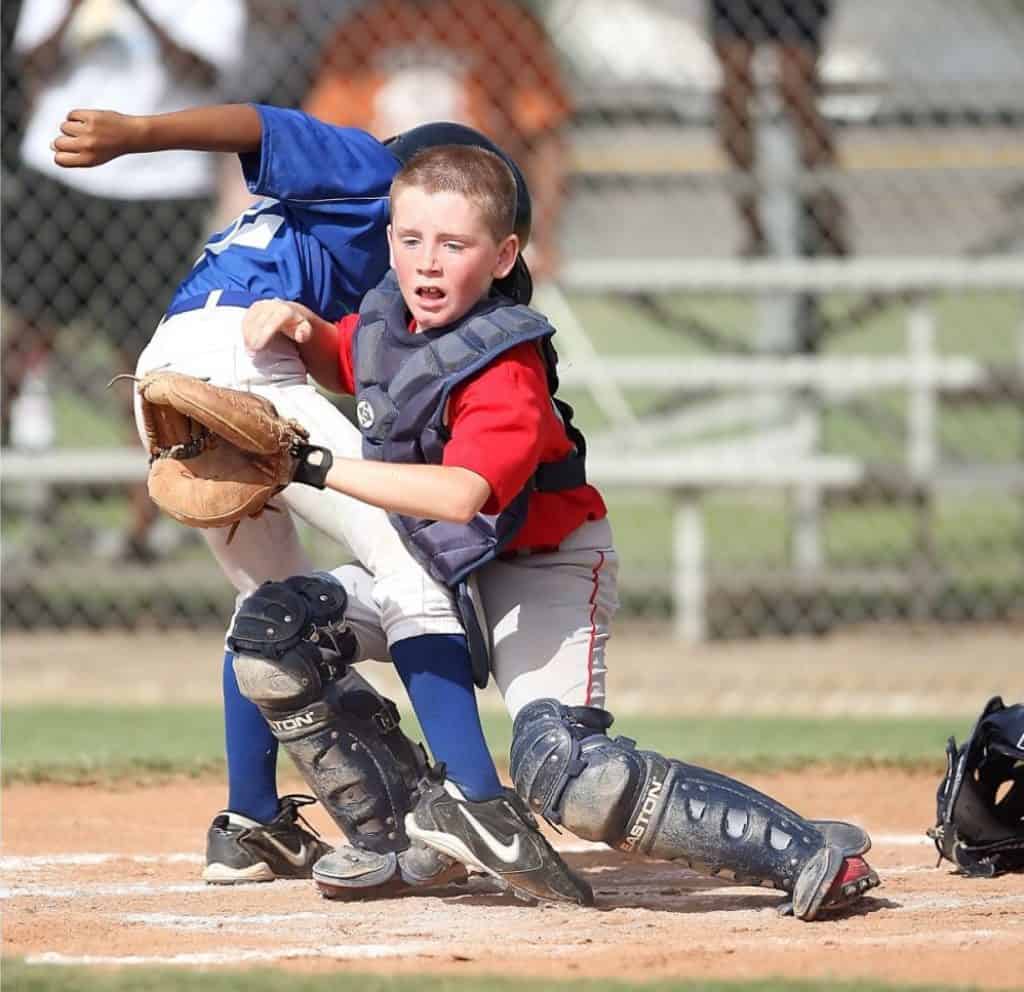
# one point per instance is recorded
(593, 626)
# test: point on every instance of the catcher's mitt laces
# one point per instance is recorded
(192, 448)
(123, 375)
(159, 368)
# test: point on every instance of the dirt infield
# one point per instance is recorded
(111, 877)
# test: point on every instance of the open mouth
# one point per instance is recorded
(430, 294)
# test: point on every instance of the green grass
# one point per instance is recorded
(86, 742)
(90, 743)
(19, 977)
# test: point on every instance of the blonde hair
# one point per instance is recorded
(475, 173)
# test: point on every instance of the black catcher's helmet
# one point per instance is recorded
(518, 284)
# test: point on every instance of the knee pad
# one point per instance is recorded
(290, 638)
(305, 612)
(291, 648)
(568, 770)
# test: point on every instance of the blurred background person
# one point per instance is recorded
(390, 65)
(107, 246)
(282, 50)
(794, 28)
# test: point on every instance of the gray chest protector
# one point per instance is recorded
(403, 382)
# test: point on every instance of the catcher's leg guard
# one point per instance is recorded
(567, 769)
(292, 644)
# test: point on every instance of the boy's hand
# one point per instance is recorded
(266, 318)
(92, 137)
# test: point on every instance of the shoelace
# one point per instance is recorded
(527, 814)
(434, 775)
(293, 802)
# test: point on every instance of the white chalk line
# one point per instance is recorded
(902, 840)
(951, 938)
(178, 921)
(20, 863)
(38, 891)
(919, 903)
(338, 952)
(906, 903)
(352, 952)
(32, 861)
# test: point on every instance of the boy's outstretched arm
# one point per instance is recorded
(92, 137)
(435, 492)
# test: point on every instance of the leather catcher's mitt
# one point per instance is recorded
(980, 801)
(218, 455)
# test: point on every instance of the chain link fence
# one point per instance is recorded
(784, 447)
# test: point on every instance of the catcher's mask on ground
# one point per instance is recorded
(980, 800)
(518, 284)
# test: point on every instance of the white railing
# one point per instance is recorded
(690, 472)
(781, 458)
(796, 275)
(74, 466)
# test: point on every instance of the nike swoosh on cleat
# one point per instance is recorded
(507, 853)
(296, 858)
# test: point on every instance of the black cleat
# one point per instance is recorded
(498, 836)
(240, 849)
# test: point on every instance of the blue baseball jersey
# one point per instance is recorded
(318, 234)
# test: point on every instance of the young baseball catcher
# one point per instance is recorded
(482, 473)
(318, 237)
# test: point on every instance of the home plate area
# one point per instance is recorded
(110, 877)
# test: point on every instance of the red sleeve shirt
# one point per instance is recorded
(503, 425)
(346, 353)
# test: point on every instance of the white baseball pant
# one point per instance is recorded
(405, 601)
(549, 616)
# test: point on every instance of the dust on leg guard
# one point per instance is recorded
(292, 646)
(350, 874)
(568, 770)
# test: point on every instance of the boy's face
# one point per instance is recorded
(444, 254)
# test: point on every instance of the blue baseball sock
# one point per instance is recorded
(251, 751)
(437, 675)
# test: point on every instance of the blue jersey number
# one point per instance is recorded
(253, 228)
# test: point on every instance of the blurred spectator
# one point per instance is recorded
(29, 423)
(393, 64)
(794, 28)
(107, 246)
(282, 49)
(11, 87)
